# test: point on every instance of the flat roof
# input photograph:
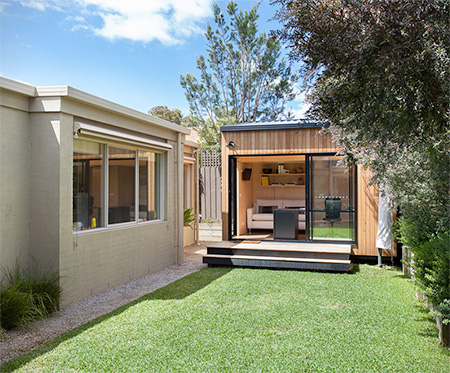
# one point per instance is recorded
(275, 125)
(87, 98)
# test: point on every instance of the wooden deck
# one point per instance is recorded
(292, 255)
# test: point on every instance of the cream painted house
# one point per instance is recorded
(90, 188)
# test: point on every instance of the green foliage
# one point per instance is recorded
(242, 79)
(28, 295)
(379, 73)
(189, 217)
(174, 115)
(431, 263)
(246, 320)
(16, 307)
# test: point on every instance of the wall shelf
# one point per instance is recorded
(287, 180)
(282, 186)
(272, 175)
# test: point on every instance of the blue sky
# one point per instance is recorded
(131, 52)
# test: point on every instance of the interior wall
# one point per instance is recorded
(274, 192)
(249, 191)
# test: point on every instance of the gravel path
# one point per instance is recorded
(21, 340)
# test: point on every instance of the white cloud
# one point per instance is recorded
(36, 4)
(43, 5)
(299, 105)
(168, 21)
(3, 6)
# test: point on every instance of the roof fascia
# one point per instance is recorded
(76, 94)
(19, 87)
(271, 126)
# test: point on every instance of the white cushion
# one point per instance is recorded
(262, 217)
(269, 202)
(294, 203)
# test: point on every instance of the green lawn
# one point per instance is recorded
(335, 232)
(238, 320)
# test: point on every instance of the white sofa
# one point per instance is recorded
(260, 216)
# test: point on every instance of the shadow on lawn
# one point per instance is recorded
(179, 289)
(426, 322)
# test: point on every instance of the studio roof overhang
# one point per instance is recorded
(275, 125)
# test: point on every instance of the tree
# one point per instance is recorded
(379, 73)
(243, 77)
(174, 116)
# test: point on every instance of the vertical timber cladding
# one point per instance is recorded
(284, 141)
(304, 140)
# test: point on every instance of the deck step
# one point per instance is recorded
(280, 254)
(277, 264)
(289, 255)
(281, 246)
(252, 257)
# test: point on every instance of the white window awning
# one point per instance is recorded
(122, 135)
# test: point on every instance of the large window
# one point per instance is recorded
(121, 185)
(149, 174)
(130, 178)
(87, 184)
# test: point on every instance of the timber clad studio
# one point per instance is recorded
(284, 189)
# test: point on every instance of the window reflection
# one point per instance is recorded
(332, 199)
(87, 184)
(149, 205)
(121, 185)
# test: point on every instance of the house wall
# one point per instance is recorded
(191, 190)
(98, 260)
(308, 140)
(14, 180)
(36, 193)
(48, 186)
(101, 259)
(88, 262)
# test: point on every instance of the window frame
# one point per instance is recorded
(161, 162)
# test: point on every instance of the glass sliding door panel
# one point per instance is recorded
(332, 207)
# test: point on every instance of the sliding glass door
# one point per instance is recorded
(331, 200)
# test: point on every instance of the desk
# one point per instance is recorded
(285, 224)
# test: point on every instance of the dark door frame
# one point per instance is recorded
(232, 194)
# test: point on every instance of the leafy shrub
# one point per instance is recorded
(189, 217)
(431, 263)
(28, 295)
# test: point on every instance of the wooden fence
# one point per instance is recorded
(210, 185)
